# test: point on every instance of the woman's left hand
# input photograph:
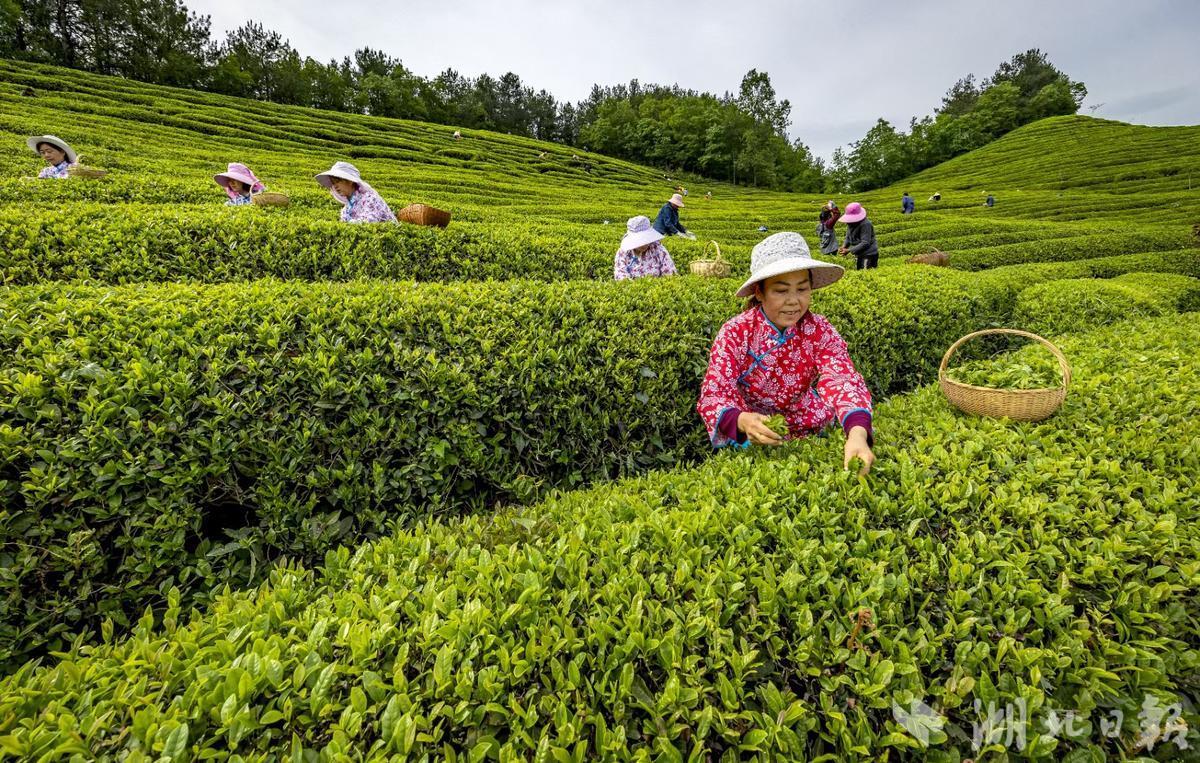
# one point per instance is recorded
(857, 447)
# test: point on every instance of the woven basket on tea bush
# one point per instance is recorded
(79, 170)
(271, 199)
(423, 214)
(1016, 404)
(716, 267)
(937, 258)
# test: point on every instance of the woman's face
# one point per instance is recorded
(52, 154)
(238, 186)
(344, 188)
(786, 297)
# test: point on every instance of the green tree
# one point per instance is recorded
(756, 97)
(511, 112)
(998, 110)
(330, 86)
(1030, 72)
(1052, 100)
(255, 62)
(960, 98)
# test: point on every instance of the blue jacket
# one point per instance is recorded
(907, 204)
(667, 222)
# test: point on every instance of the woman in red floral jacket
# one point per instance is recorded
(776, 357)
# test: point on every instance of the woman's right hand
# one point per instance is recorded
(754, 426)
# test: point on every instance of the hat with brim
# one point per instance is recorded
(58, 143)
(342, 171)
(787, 252)
(676, 200)
(639, 233)
(854, 213)
(240, 173)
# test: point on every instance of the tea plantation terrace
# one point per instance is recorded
(274, 484)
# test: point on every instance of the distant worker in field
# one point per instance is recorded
(360, 202)
(708, 195)
(829, 216)
(667, 222)
(935, 197)
(860, 237)
(239, 183)
(58, 155)
(907, 204)
(990, 201)
(777, 357)
(642, 253)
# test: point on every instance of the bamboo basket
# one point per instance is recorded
(270, 199)
(711, 268)
(78, 170)
(1016, 404)
(423, 214)
(937, 258)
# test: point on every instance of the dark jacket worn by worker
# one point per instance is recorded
(860, 239)
(667, 222)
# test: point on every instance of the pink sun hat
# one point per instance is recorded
(854, 213)
(676, 201)
(241, 173)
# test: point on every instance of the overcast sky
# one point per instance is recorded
(841, 68)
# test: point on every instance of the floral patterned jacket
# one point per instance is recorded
(655, 261)
(367, 206)
(804, 373)
(57, 171)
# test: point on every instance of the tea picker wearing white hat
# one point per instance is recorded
(777, 357)
(57, 154)
(360, 202)
(667, 222)
(642, 253)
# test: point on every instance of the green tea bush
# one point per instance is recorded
(185, 434)
(1082, 304)
(135, 245)
(1176, 261)
(1074, 248)
(764, 604)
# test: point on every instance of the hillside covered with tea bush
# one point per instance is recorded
(521, 209)
(271, 484)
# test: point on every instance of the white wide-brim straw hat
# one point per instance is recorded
(787, 252)
(59, 143)
(639, 232)
(342, 170)
(676, 200)
(345, 171)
